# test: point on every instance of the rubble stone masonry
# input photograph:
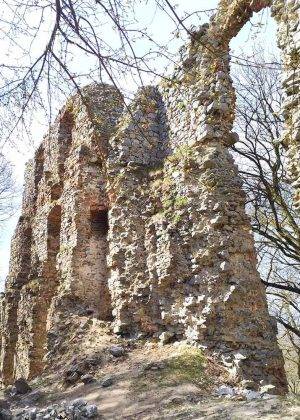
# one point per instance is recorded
(136, 215)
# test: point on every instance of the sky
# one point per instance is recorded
(159, 24)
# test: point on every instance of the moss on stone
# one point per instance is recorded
(187, 366)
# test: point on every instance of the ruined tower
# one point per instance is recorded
(137, 217)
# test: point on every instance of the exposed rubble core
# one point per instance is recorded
(137, 217)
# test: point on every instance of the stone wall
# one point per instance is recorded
(287, 15)
(51, 252)
(137, 217)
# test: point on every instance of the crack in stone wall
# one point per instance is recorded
(150, 230)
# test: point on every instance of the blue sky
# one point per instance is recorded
(159, 24)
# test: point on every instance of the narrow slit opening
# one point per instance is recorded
(99, 222)
(98, 259)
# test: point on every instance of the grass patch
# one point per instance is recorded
(187, 366)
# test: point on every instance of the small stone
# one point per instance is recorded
(209, 164)
(176, 400)
(91, 411)
(21, 386)
(79, 403)
(72, 378)
(117, 351)
(251, 395)
(224, 390)
(194, 399)
(232, 139)
(33, 413)
(154, 366)
(218, 220)
(221, 75)
(267, 389)
(87, 379)
(5, 414)
(165, 337)
(225, 266)
(107, 382)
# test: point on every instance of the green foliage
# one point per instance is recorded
(172, 205)
(167, 203)
(188, 366)
(185, 157)
(182, 153)
(181, 105)
(171, 202)
(180, 202)
(176, 218)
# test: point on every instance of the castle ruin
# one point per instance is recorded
(136, 216)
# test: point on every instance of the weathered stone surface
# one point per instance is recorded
(87, 379)
(5, 414)
(77, 409)
(287, 15)
(137, 217)
(21, 386)
(107, 382)
(117, 351)
(58, 236)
